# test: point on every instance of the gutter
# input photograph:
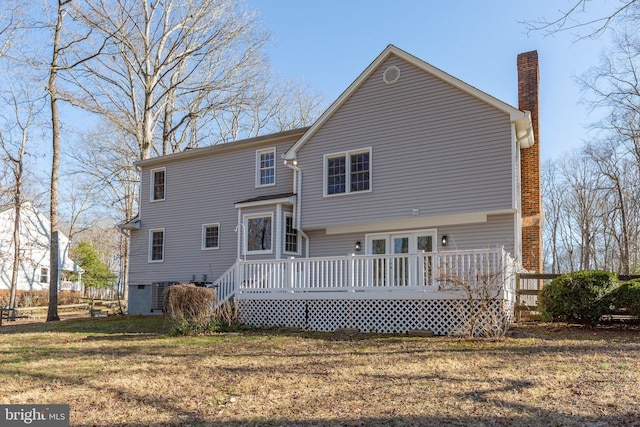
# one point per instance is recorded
(524, 130)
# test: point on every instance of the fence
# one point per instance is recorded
(528, 285)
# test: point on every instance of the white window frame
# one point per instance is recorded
(245, 222)
(284, 249)
(259, 154)
(46, 276)
(204, 236)
(347, 155)
(153, 184)
(164, 239)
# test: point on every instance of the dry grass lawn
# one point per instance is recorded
(127, 371)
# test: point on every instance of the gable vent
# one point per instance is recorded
(391, 75)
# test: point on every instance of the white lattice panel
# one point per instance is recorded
(443, 317)
(290, 313)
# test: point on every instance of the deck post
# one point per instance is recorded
(290, 273)
(239, 275)
(351, 274)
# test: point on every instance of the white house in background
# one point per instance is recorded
(33, 271)
(409, 174)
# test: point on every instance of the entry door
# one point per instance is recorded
(400, 270)
(424, 271)
(378, 246)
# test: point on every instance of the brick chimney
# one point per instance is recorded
(528, 99)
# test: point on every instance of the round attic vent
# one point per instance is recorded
(391, 75)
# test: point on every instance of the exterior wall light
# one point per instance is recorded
(444, 240)
(358, 246)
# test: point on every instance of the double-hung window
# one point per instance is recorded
(156, 245)
(210, 236)
(158, 184)
(259, 233)
(44, 275)
(348, 172)
(265, 167)
(290, 235)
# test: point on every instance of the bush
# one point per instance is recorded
(582, 297)
(627, 298)
(189, 308)
(39, 298)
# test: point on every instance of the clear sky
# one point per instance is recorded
(328, 43)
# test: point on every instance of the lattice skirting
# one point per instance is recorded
(442, 317)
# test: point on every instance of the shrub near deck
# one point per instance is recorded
(626, 298)
(582, 297)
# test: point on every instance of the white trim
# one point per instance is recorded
(164, 239)
(245, 222)
(415, 222)
(347, 154)
(284, 248)
(278, 231)
(204, 236)
(152, 181)
(522, 119)
(517, 192)
(259, 153)
(283, 200)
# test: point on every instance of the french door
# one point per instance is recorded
(409, 270)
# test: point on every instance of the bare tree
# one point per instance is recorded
(552, 193)
(168, 64)
(576, 18)
(270, 104)
(14, 136)
(64, 59)
(52, 89)
(105, 157)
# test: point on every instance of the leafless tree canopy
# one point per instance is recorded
(578, 18)
(177, 73)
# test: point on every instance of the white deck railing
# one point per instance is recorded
(424, 272)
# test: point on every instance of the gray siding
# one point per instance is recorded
(201, 190)
(434, 148)
(497, 231)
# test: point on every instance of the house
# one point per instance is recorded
(411, 174)
(34, 267)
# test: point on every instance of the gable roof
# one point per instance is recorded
(522, 119)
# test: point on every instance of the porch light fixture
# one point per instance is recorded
(292, 162)
(444, 240)
(358, 247)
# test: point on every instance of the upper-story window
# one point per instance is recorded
(348, 172)
(158, 182)
(210, 236)
(156, 245)
(265, 167)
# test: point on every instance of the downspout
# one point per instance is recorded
(297, 190)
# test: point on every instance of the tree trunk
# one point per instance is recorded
(54, 273)
(16, 255)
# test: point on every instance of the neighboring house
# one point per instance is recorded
(34, 267)
(408, 175)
